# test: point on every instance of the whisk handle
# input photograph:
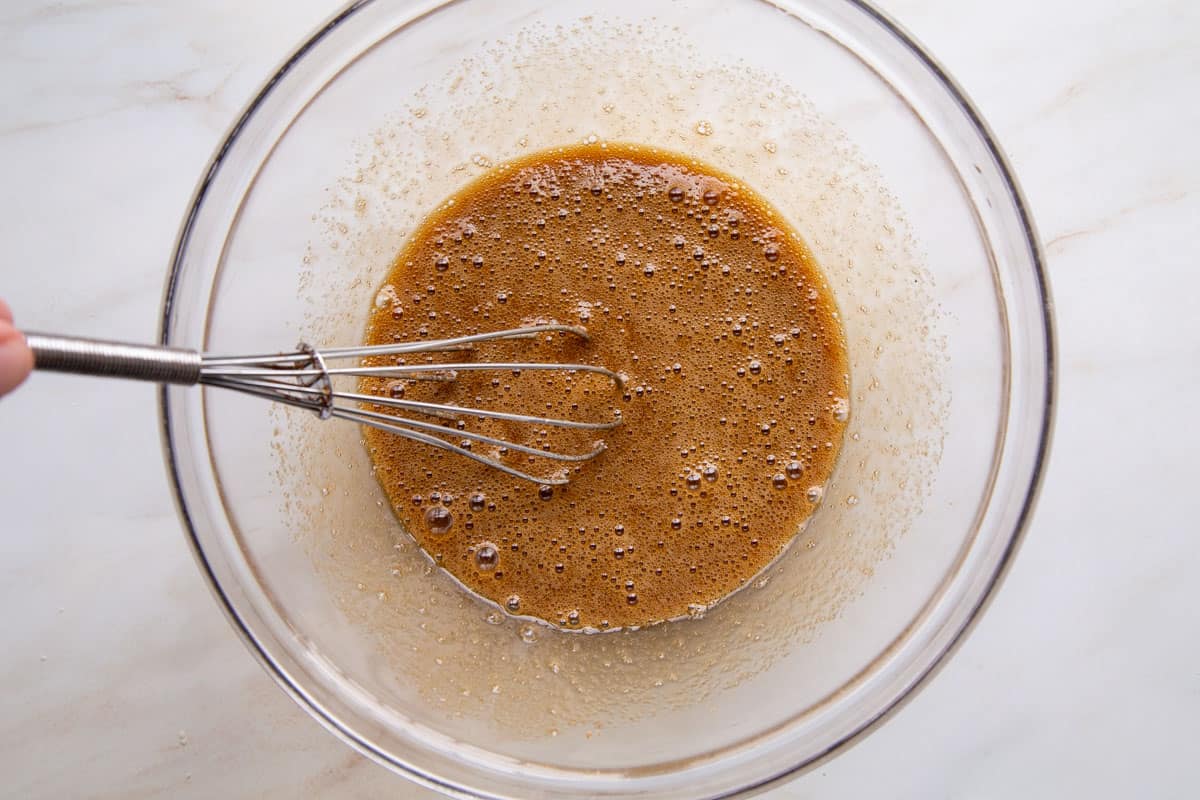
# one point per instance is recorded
(113, 359)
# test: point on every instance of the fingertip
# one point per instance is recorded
(16, 359)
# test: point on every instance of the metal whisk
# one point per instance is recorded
(304, 379)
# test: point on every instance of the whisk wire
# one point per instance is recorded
(304, 379)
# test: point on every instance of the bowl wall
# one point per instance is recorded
(824, 108)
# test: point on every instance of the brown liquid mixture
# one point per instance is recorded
(734, 408)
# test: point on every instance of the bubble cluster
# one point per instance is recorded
(689, 285)
(841, 409)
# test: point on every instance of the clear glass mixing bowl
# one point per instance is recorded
(823, 106)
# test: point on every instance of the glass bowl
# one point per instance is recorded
(834, 114)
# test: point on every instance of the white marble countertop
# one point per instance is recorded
(123, 679)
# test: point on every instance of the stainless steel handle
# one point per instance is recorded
(114, 359)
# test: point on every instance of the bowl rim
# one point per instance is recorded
(1035, 480)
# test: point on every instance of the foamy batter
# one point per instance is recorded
(733, 412)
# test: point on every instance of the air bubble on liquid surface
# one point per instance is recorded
(487, 556)
(841, 409)
(438, 519)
